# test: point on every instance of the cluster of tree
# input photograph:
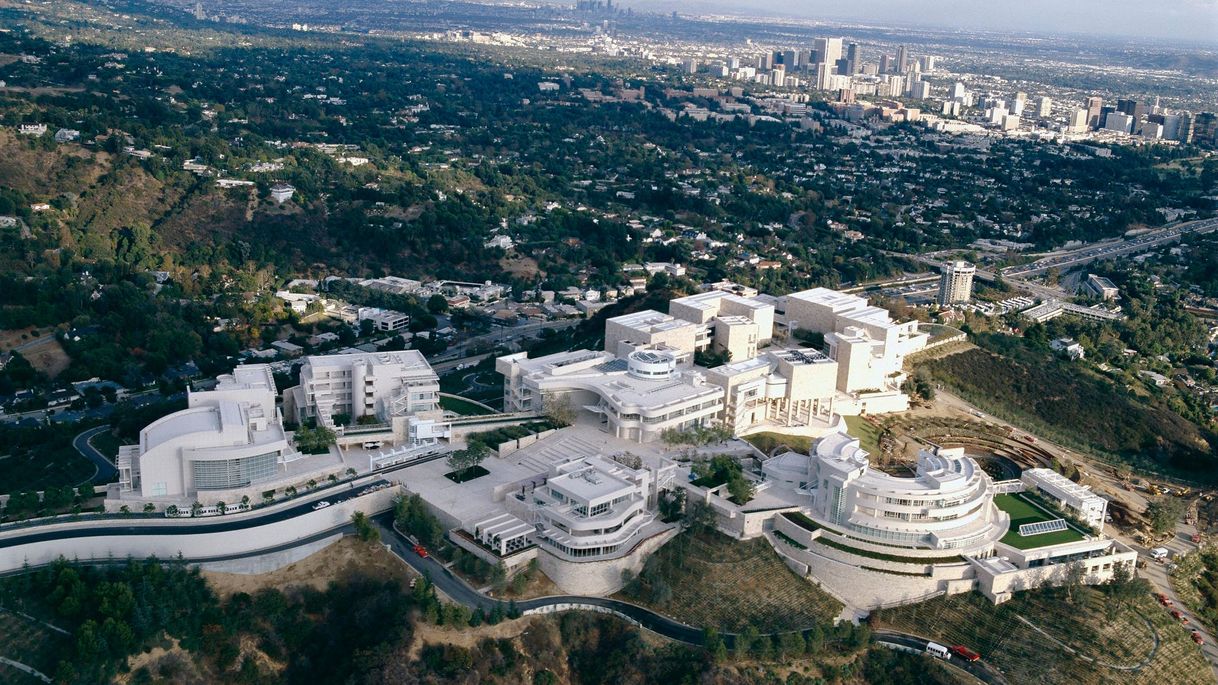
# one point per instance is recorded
(313, 439)
(412, 516)
(723, 469)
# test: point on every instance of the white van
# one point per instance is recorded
(1159, 553)
(938, 651)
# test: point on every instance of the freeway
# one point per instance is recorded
(1117, 248)
(461, 592)
(105, 468)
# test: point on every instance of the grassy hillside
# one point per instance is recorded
(1044, 637)
(1077, 408)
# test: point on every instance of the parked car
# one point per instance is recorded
(1175, 613)
(1163, 599)
(1197, 637)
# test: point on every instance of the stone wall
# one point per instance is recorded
(599, 578)
(857, 586)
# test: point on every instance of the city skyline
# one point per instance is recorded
(1194, 21)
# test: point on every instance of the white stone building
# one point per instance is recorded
(226, 439)
(1089, 507)
(635, 398)
(386, 395)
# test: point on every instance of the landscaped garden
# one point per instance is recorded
(1022, 511)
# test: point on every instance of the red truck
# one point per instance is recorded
(965, 653)
(418, 549)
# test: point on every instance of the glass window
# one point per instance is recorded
(234, 473)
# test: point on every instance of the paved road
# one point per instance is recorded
(1159, 577)
(978, 669)
(105, 468)
(461, 592)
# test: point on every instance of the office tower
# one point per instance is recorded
(765, 62)
(1119, 122)
(199, 13)
(958, 91)
(928, 63)
(1021, 99)
(1095, 107)
(854, 61)
(1205, 128)
(1185, 132)
(690, 66)
(1125, 106)
(956, 283)
(733, 63)
(883, 64)
(789, 60)
(1105, 111)
(919, 90)
(902, 60)
(828, 50)
(1044, 109)
(1078, 121)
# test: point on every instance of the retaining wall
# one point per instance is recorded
(599, 578)
(192, 546)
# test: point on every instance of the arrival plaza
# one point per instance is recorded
(584, 501)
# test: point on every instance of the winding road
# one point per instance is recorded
(106, 471)
(461, 592)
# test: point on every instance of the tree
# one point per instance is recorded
(745, 640)
(741, 489)
(1163, 514)
(463, 461)
(437, 304)
(314, 440)
(363, 527)
(698, 515)
(558, 409)
(713, 644)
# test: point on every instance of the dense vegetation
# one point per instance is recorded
(1023, 384)
(361, 631)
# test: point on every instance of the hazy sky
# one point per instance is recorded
(1191, 20)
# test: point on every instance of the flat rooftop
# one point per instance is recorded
(407, 358)
(249, 376)
(588, 482)
(651, 321)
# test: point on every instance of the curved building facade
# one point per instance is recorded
(947, 504)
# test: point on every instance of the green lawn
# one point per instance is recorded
(1022, 512)
(867, 433)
